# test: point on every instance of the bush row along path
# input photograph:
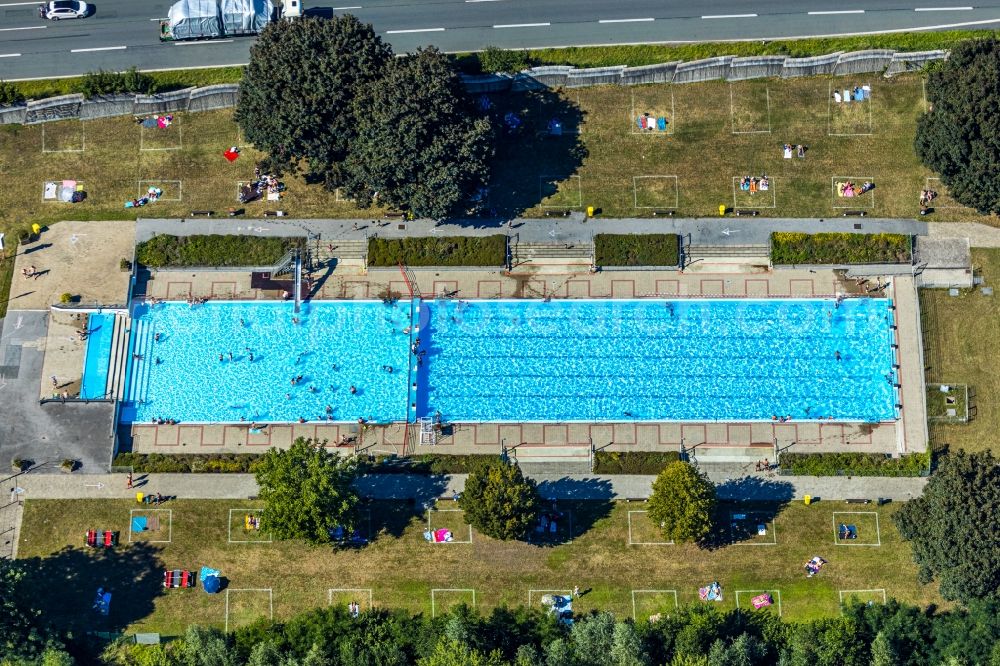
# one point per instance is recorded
(572, 229)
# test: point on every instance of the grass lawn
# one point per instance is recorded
(960, 336)
(401, 569)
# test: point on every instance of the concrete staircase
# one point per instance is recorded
(551, 257)
(741, 455)
(725, 258)
(343, 253)
(541, 460)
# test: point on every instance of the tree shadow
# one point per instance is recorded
(64, 585)
(746, 511)
(573, 505)
(535, 159)
(390, 515)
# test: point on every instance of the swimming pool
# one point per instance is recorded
(684, 360)
(332, 347)
(97, 358)
(587, 360)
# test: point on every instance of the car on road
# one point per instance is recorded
(64, 9)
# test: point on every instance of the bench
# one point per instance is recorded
(202, 213)
(663, 213)
(394, 213)
(233, 212)
(854, 213)
(741, 212)
(275, 213)
(558, 213)
(857, 501)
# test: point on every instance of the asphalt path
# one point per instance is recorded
(124, 33)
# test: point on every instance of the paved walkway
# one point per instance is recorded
(701, 231)
(405, 486)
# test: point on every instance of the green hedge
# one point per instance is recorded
(633, 462)
(855, 464)
(652, 54)
(213, 250)
(209, 463)
(636, 249)
(837, 248)
(426, 464)
(452, 251)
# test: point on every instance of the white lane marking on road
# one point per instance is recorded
(521, 25)
(160, 19)
(635, 20)
(99, 48)
(19, 4)
(210, 41)
(943, 9)
(340, 9)
(30, 27)
(9, 55)
(727, 16)
(404, 32)
(838, 11)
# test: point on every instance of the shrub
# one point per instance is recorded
(454, 251)
(213, 250)
(495, 60)
(208, 463)
(18, 464)
(633, 462)
(855, 464)
(101, 82)
(636, 249)
(125, 265)
(427, 463)
(69, 465)
(10, 95)
(66, 298)
(839, 248)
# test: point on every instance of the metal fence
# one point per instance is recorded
(727, 68)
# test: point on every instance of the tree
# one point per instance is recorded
(22, 636)
(883, 653)
(297, 94)
(499, 501)
(307, 492)
(419, 146)
(953, 528)
(449, 652)
(959, 136)
(682, 503)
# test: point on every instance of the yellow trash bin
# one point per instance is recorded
(36, 228)
(590, 211)
(139, 497)
(807, 499)
(722, 210)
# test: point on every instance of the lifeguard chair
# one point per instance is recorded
(428, 433)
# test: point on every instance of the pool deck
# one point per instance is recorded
(485, 283)
(569, 441)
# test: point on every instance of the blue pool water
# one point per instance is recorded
(597, 360)
(97, 358)
(688, 360)
(333, 347)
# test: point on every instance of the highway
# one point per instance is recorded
(124, 33)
